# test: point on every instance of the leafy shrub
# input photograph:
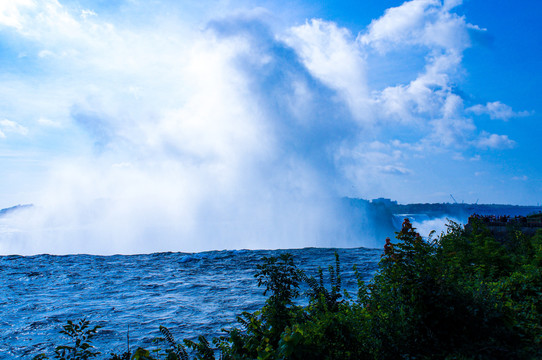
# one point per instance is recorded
(81, 334)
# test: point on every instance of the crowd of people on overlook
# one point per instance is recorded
(504, 220)
(534, 221)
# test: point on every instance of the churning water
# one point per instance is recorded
(191, 294)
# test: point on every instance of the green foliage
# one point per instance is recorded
(321, 298)
(536, 243)
(474, 254)
(335, 334)
(279, 275)
(433, 299)
(81, 349)
(175, 351)
(262, 330)
(143, 354)
(123, 356)
(281, 278)
(464, 295)
(202, 348)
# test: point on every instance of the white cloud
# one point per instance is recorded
(450, 4)
(394, 170)
(86, 13)
(494, 141)
(331, 55)
(49, 123)
(398, 25)
(497, 110)
(10, 12)
(452, 129)
(45, 53)
(428, 103)
(372, 166)
(417, 22)
(458, 157)
(8, 126)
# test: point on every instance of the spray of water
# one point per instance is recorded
(230, 146)
(193, 129)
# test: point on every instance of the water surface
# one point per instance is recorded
(192, 294)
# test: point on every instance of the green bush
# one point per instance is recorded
(81, 349)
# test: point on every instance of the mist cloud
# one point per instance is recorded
(229, 131)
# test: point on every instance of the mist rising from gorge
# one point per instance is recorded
(238, 130)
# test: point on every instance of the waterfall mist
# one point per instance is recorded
(168, 126)
(221, 139)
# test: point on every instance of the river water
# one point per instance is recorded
(191, 294)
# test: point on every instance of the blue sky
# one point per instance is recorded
(188, 109)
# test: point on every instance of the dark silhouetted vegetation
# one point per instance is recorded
(462, 295)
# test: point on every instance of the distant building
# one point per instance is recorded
(384, 201)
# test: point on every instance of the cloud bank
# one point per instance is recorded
(229, 131)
